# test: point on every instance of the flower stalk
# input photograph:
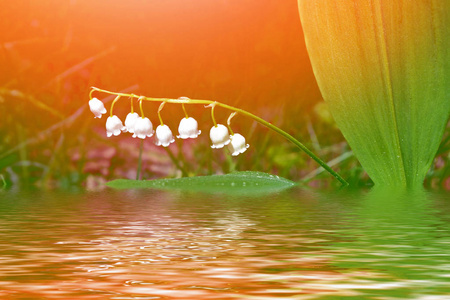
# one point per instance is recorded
(229, 122)
(141, 147)
(213, 105)
(132, 106)
(159, 112)
(185, 112)
(140, 105)
(112, 105)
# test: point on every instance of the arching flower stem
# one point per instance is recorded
(243, 112)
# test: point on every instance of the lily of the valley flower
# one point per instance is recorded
(114, 126)
(97, 108)
(143, 128)
(219, 136)
(188, 128)
(130, 121)
(237, 144)
(164, 136)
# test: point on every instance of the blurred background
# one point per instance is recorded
(246, 53)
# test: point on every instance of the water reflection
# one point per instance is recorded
(400, 244)
(163, 245)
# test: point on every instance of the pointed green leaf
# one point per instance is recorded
(241, 183)
(384, 69)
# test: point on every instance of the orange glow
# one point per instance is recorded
(232, 51)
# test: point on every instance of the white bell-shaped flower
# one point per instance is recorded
(130, 121)
(97, 107)
(237, 144)
(164, 136)
(188, 128)
(114, 126)
(143, 128)
(219, 136)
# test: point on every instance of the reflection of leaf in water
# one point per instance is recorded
(241, 183)
(397, 236)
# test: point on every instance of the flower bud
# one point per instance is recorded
(219, 136)
(164, 136)
(237, 144)
(114, 126)
(143, 128)
(97, 108)
(130, 121)
(188, 128)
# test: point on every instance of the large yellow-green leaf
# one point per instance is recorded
(383, 67)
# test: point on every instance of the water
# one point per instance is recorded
(171, 245)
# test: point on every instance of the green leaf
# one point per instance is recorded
(384, 69)
(242, 183)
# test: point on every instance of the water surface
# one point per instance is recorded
(148, 244)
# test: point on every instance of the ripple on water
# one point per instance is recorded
(160, 245)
